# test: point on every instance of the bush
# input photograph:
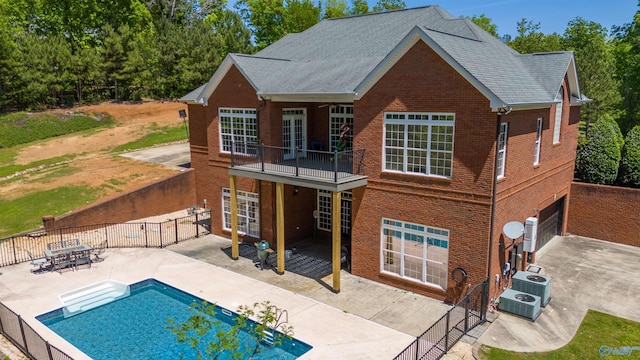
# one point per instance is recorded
(598, 157)
(630, 162)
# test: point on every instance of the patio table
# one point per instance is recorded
(69, 256)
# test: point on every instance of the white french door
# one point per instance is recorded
(294, 132)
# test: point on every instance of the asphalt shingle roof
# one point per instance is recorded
(337, 55)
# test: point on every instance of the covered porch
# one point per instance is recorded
(330, 172)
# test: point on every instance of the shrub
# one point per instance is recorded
(598, 157)
(630, 161)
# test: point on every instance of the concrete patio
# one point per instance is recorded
(365, 321)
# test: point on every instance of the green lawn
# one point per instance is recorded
(25, 213)
(21, 128)
(598, 332)
(158, 135)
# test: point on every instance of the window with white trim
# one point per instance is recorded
(502, 150)
(239, 127)
(419, 143)
(340, 114)
(415, 251)
(558, 118)
(536, 155)
(248, 212)
(324, 211)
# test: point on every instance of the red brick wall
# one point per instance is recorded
(173, 193)
(605, 212)
(526, 189)
(422, 81)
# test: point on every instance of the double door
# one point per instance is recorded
(294, 132)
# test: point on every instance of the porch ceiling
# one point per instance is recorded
(343, 183)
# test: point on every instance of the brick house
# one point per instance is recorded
(410, 138)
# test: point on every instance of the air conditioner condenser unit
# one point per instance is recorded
(534, 284)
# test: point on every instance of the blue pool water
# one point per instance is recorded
(135, 327)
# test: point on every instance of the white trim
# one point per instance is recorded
(247, 114)
(346, 97)
(501, 147)
(333, 118)
(557, 120)
(323, 222)
(427, 243)
(247, 224)
(289, 115)
(402, 119)
(538, 142)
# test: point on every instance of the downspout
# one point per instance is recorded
(502, 111)
(258, 109)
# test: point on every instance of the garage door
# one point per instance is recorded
(550, 223)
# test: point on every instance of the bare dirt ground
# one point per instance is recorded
(94, 164)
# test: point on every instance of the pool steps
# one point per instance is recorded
(91, 296)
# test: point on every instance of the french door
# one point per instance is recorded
(294, 132)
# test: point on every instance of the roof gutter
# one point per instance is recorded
(307, 97)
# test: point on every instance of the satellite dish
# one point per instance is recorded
(513, 229)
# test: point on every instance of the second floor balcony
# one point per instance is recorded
(328, 170)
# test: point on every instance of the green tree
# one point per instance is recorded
(265, 18)
(269, 319)
(199, 54)
(531, 40)
(359, 7)
(598, 157)
(334, 8)
(86, 70)
(8, 62)
(389, 5)
(270, 20)
(300, 15)
(630, 161)
(210, 338)
(627, 54)
(117, 44)
(595, 67)
(486, 24)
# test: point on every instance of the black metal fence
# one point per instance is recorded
(22, 248)
(444, 333)
(26, 339)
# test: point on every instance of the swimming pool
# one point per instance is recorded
(134, 327)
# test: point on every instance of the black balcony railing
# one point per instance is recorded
(333, 166)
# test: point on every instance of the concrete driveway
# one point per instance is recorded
(173, 155)
(585, 274)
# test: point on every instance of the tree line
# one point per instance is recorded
(57, 53)
(65, 52)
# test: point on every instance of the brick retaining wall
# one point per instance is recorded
(170, 194)
(605, 212)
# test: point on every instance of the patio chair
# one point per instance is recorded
(99, 250)
(60, 262)
(82, 257)
(40, 263)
